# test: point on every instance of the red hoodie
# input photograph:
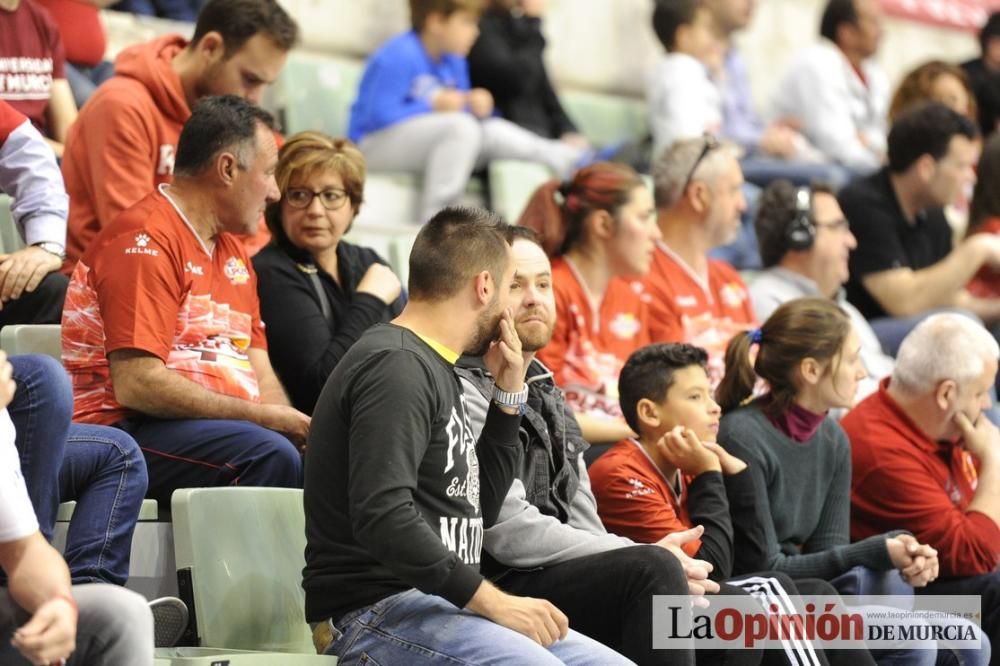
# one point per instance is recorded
(122, 145)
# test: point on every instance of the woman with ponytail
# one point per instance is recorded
(809, 357)
(600, 228)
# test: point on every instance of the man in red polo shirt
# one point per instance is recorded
(926, 459)
(701, 301)
(161, 327)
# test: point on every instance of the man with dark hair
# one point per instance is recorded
(123, 143)
(161, 329)
(904, 266)
(805, 242)
(984, 75)
(398, 488)
(548, 536)
(836, 91)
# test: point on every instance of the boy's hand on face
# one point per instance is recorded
(682, 449)
(730, 464)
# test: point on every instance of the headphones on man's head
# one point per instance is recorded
(800, 232)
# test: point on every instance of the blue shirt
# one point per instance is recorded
(400, 81)
(740, 122)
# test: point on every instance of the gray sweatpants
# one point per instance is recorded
(115, 628)
(445, 148)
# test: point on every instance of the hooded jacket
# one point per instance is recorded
(122, 145)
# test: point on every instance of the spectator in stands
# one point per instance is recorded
(984, 74)
(405, 547)
(507, 61)
(904, 265)
(175, 10)
(695, 299)
(416, 112)
(926, 459)
(836, 92)
(601, 229)
(85, 41)
(548, 536)
(808, 354)
(775, 150)
(44, 619)
(32, 70)
(31, 288)
(805, 242)
(318, 293)
(123, 144)
(161, 331)
(934, 81)
(99, 467)
(984, 214)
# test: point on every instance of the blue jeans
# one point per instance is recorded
(83, 81)
(99, 467)
(201, 453)
(420, 629)
(987, 586)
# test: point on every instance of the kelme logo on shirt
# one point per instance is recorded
(236, 271)
(141, 246)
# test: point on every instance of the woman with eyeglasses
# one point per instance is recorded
(318, 293)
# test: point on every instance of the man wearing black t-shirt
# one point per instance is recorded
(905, 266)
(398, 491)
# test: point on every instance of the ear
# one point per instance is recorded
(485, 287)
(811, 370)
(226, 167)
(699, 196)
(647, 413)
(945, 394)
(925, 167)
(602, 225)
(211, 46)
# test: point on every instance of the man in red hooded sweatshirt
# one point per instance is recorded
(122, 144)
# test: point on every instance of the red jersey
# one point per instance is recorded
(148, 282)
(687, 308)
(31, 56)
(590, 345)
(901, 479)
(635, 500)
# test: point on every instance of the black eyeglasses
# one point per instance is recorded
(331, 199)
(711, 143)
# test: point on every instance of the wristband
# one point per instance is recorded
(518, 401)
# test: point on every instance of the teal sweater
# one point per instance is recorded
(805, 488)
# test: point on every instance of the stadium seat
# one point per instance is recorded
(32, 339)
(606, 119)
(316, 92)
(512, 183)
(240, 554)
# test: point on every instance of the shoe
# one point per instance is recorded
(170, 619)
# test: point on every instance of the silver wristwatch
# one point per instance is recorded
(52, 248)
(518, 401)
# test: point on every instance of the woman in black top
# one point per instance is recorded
(507, 61)
(318, 293)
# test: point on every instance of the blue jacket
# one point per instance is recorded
(399, 81)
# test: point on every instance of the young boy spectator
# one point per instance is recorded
(416, 112)
(683, 100)
(32, 70)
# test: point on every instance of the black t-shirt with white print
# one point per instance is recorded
(397, 491)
